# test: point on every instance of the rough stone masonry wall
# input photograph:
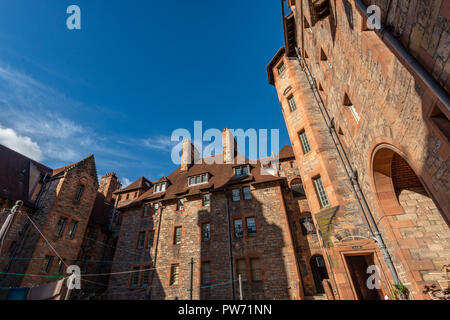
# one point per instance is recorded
(393, 107)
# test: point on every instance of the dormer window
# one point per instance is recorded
(281, 68)
(198, 179)
(160, 187)
(241, 171)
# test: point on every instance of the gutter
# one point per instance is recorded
(230, 244)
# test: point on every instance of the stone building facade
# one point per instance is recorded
(62, 203)
(367, 113)
(195, 231)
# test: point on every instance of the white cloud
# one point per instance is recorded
(21, 144)
(162, 143)
(125, 182)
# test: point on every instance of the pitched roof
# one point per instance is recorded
(141, 183)
(221, 176)
(286, 153)
(15, 174)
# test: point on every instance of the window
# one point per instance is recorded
(320, 9)
(304, 140)
(47, 265)
(160, 187)
(241, 171)
(206, 200)
(180, 204)
(206, 232)
(206, 272)
(247, 193)
(292, 104)
(135, 277)
(251, 227)
(238, 228)
(199, 179)
(352, 108)
(177, 235)
(241, 269)
(255, 264)
(324, 58)
(72, 228)
(236, 195)
(318, 184)
(60, 227)
(155, 208)
(79, 193)
(297, 188)
(292, 164)
(307, 224)
(60, 266)
(281, 68)
(307, 25)
(151, 238)
(128, 196)
(146, 210)
(280, 168)
(441, 120)
(174, 273)
(145, 277)
(141, 240)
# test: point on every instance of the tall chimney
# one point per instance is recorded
(229, 146)
(189, 155)
(108, 185)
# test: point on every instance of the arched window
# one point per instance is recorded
(79, 193)
(297, 188)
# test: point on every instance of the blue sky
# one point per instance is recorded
(136, 71)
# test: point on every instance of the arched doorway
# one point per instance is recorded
(319, 271)
(418, 224)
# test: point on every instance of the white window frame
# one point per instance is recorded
(200, 176)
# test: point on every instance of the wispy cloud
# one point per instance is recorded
(162, 143)
(21, 144)
(125, 182)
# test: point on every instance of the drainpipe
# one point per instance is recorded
(393, 43)
(352, 174)
(229, 243)
(149, 289)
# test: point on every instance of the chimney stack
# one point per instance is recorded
(108, 185)
(189, 155)
(229, 146)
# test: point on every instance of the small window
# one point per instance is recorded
(320, 9)
(128, 196)
(238, 228)
(155, 208)
(206, 232)
(324, 58)
(206, 200)
(72, 228)
(151, 238)
(160, 187)
(177, 235)
(255, 264)
(47, 265)
(174, 273)
(351, 107)
(441, 121)
(281, 68)
(135, 277)
(292, 104)
(141, 240)
(241, 266)
(146, 276)
(320, 190)
(305, 143)
(60, 227)
(60, 266)
(251, 227)
(307, 224)
(79, 193)
(180, 204)
(297, 188)
(241, 171)
(247, 193)
(236, 195)
(292, 164)
(146, 210)
(206, 272)
(198, 179)
(306, 25)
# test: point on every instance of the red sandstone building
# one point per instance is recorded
(367, 113)
(195, 231)
(69, 208)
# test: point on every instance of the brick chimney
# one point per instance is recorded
(108, 185)
(229, 145)
(189, 155)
